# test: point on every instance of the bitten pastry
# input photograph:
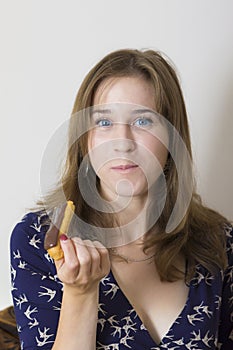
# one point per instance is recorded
(60, 225)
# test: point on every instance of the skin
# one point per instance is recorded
(85, 263)
(128, 137)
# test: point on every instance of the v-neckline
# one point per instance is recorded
(174, 323)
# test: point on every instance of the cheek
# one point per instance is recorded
(95, 139)
(162, 154)
(97, 151)
(157, 149)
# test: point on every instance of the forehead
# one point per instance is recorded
(129, 90)
(122, 112)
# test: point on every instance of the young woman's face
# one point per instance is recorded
(124, 145)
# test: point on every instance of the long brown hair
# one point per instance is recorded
(199, 236)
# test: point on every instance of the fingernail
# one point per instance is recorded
(63, 237)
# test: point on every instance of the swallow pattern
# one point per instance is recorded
(206, 321)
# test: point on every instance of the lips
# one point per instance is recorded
(124, 167)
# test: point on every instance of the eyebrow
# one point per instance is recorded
(141, 111)
(134, 112)
(101, 111)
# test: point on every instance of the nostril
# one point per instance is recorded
(124, 145)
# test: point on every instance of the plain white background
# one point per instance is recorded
(47, 47)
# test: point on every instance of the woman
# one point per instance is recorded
(147, 266)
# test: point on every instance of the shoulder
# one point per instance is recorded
(33, 225)
(27, 242)
(30, 230)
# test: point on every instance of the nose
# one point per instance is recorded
(124, 141)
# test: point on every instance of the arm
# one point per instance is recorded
(83, 266)
(36, 290)
(48, 311)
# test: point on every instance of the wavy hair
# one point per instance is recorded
(199, 236)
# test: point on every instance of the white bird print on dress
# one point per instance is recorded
(208, 279)
(48, 257)
(106, 278)
(33, 241)
(100, 309)
(33, 324)
(112, 290)
(201, 308)
(22, 299)
(111, 320)
(179, 342)
(36, 226)
(218, 302)
(170, 337)
(197, 336)
(131, 312)
(230, 275)
(101, 321)
(190, 345)
(13, 273)
(117, 331)
(57, 308)
(142, 327)
(207, 339)
(44, 336)
(129, 327)
(16, 254)
(194, 318)
(127, 320)
(22, 265)
(198, 278)
(125, 339)
(13, 286)
(230, 249)
(51, 293)
(103, 347)
(115, 346)
(28, 312)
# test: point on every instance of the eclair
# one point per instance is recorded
(60, 225)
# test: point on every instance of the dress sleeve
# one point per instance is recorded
(226, 321)
(36, 290)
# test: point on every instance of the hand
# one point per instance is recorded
(84, 264)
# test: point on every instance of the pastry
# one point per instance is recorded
(60, 225)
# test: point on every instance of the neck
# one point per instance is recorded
(135, 207)
(126, 208)
(132, 216)
(132, 252)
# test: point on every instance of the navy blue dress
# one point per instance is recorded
(206, 321)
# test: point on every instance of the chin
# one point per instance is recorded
(125, 190)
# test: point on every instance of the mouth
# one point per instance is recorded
(125, 167)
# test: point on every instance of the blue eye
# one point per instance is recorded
(103, 123)
(142, 122)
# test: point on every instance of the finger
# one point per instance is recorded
(95, 257)
(104, 257)
(69, 265)
(83, 257)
